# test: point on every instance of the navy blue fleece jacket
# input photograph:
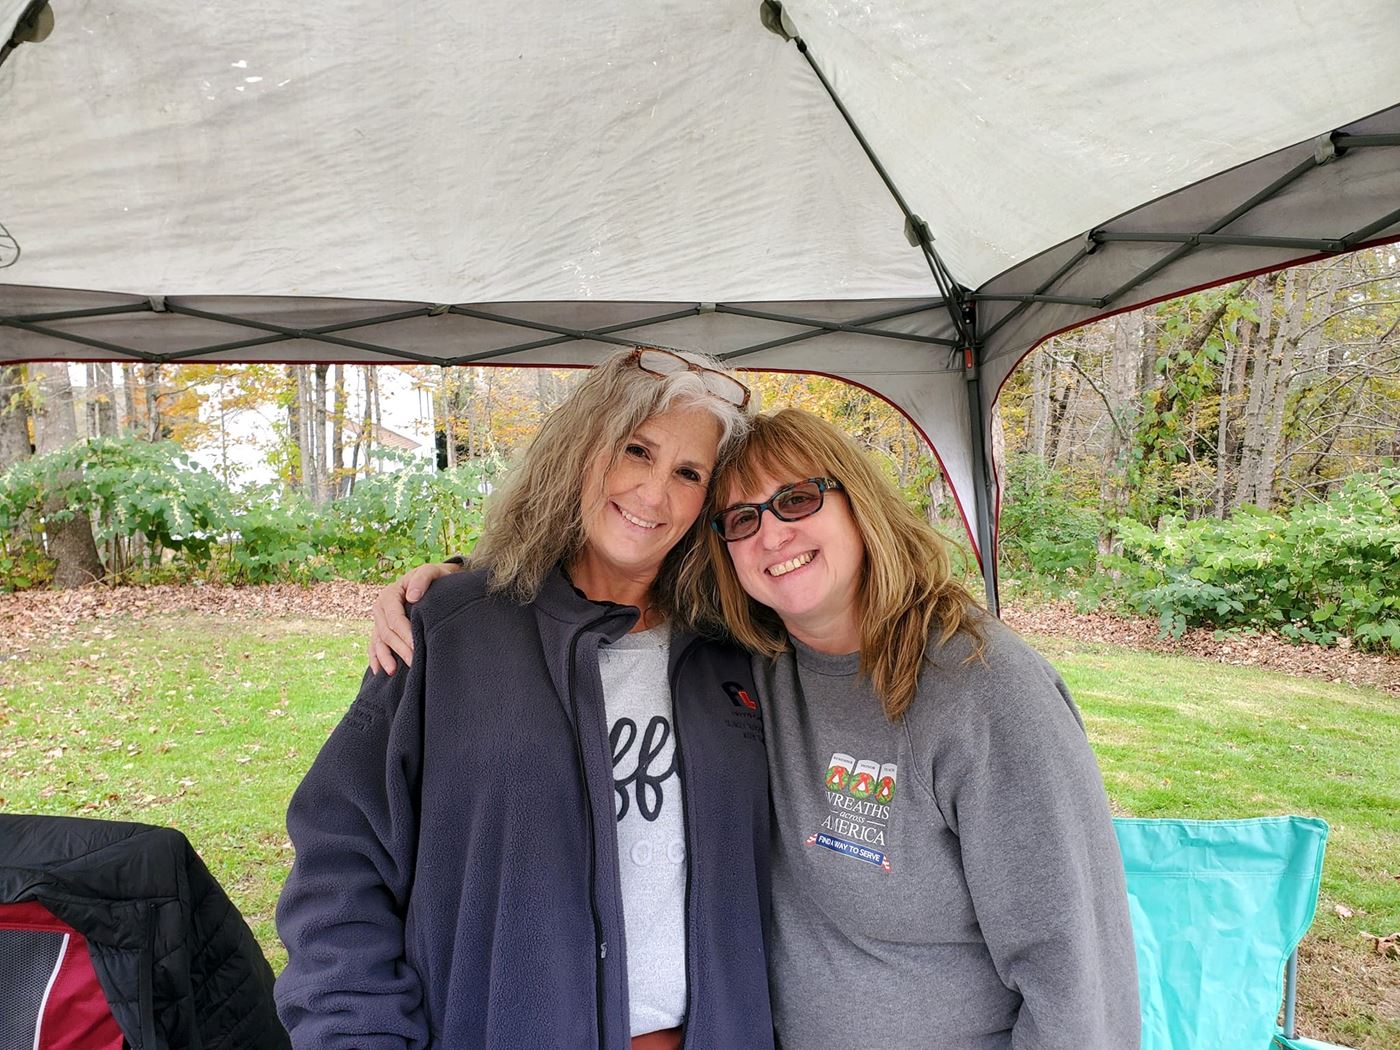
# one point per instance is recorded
(456, 880)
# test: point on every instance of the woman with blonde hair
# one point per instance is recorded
(515, 842)
(945, 872)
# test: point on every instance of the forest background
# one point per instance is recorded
(1230, 458)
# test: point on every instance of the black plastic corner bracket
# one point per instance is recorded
(776, 20)
(916, 232)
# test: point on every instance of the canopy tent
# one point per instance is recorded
(908, 195)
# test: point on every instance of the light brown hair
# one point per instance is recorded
(907, 594)
(535, 520)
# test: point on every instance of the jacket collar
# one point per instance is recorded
(560, 600)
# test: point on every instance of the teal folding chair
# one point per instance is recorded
(1218, 909)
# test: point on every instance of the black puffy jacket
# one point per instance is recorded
(178, 964)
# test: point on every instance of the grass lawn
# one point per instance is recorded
(207, 724)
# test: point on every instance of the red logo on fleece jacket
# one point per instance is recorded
(739, 696)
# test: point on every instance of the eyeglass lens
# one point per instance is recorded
(663, 362)
(791, 504)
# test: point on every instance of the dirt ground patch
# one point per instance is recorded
(31, 616)
(1336, 984)
(1334, 664)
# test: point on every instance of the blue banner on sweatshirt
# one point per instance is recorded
(852, 849)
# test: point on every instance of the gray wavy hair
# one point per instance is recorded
(535, 520)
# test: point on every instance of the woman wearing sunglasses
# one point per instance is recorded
(945, 872)
(515, 843)
(942, 846)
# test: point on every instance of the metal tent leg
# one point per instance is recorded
(1290, 997)
(982, 484)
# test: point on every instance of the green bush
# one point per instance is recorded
(157, 514)
(1325, 571)
(392, 522)
(277, 536)
(1046, 532)
(128, 489)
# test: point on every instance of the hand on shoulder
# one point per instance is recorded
(392, 634)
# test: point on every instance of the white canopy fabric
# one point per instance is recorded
(865, 190)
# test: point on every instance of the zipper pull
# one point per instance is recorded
(602, 949)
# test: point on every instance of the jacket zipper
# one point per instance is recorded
(600, 945)
(689, 847)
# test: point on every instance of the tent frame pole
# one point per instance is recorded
(983, 483)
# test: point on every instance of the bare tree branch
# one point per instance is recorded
(1084, 375)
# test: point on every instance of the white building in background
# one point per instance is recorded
(244, 437)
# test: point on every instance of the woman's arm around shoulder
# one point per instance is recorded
(1016, 780)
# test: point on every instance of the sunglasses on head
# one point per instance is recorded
(792, 502)
(658, 362)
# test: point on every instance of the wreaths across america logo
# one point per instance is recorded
(859, 795)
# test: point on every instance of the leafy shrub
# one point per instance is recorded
(128, 488)
(392, 522)
(1045, 531)
(1325, 571)
(152, 500)
(277, 536)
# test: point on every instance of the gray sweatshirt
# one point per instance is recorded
(952, 881)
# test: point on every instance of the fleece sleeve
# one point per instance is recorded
(1017, 782)
(353, 822)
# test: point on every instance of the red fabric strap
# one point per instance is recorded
(75, 1011)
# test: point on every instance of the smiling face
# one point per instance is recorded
(807, 571)
(641, 507)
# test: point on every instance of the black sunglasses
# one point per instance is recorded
(792, 502)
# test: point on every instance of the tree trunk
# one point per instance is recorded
(938, 495)
(294, 429)
(55, 427)
(1260, 375)
(318, 416)
(1311, 349)
(372, 417)
(364, 441)
(101, 403)
(155, 426)
(306, 432)
(1042, 370)
(1121, 372)
(129, 399)
(1286, 346)
(447, 415)
(1222, 431)
(1060, 413)
(338, 432)
(14, 416)
(1269, 393)
(467, 393)
(1239, 353)
(131, 425)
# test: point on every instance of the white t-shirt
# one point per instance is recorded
(650, 825)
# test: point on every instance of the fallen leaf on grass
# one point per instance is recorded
(1387, 946)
